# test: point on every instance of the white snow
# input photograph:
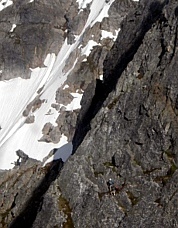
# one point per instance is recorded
(98, 10)
(65, 87)
(79, 47)
(75, 103)
(15, 134)
(13, 27)
(106, 34)
(76, 37)
(101, 77)
(17, 93)
(5, 3)
(31, 1)
(77, 91)
(84, 60)
(87, 49)
(83, 3)
(102, 6)
(64, 151)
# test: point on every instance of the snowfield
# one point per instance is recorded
(5, 3)
(17, 93)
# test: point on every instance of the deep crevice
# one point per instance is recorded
(123, 51)
(162, 52)
(13, 203)
(175, 44)
(28, 214)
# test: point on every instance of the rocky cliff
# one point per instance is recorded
(126, 130)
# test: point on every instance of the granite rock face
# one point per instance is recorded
(126, 130)
(132, 133)
(41, 28)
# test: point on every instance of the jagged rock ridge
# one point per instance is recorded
(131, 136)
(30, 14)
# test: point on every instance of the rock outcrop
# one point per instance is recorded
(126, 130)
(32, 29)
(131, 134)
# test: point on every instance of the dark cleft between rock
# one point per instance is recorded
(29, 212)
(123, 51)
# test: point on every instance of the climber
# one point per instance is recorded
(111, 187)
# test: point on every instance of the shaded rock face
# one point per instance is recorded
(126, 130)
(29, 190)
(133, 136)
(39, 31)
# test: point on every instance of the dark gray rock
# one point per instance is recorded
(126, 130)
(132, 137)
(39, 31)
(25, 214)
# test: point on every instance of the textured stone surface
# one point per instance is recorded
(41, 28)
(133, 136)
(126, 130)
(39, 31)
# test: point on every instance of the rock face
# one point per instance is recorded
(39, 30)
(132, 137)
(42, 31)
(126, 130)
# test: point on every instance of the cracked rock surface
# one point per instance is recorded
(133, 137)
(126, 130)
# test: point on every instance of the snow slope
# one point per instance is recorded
(17, 93)
(5, 3)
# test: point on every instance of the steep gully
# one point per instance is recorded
(117, 60)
